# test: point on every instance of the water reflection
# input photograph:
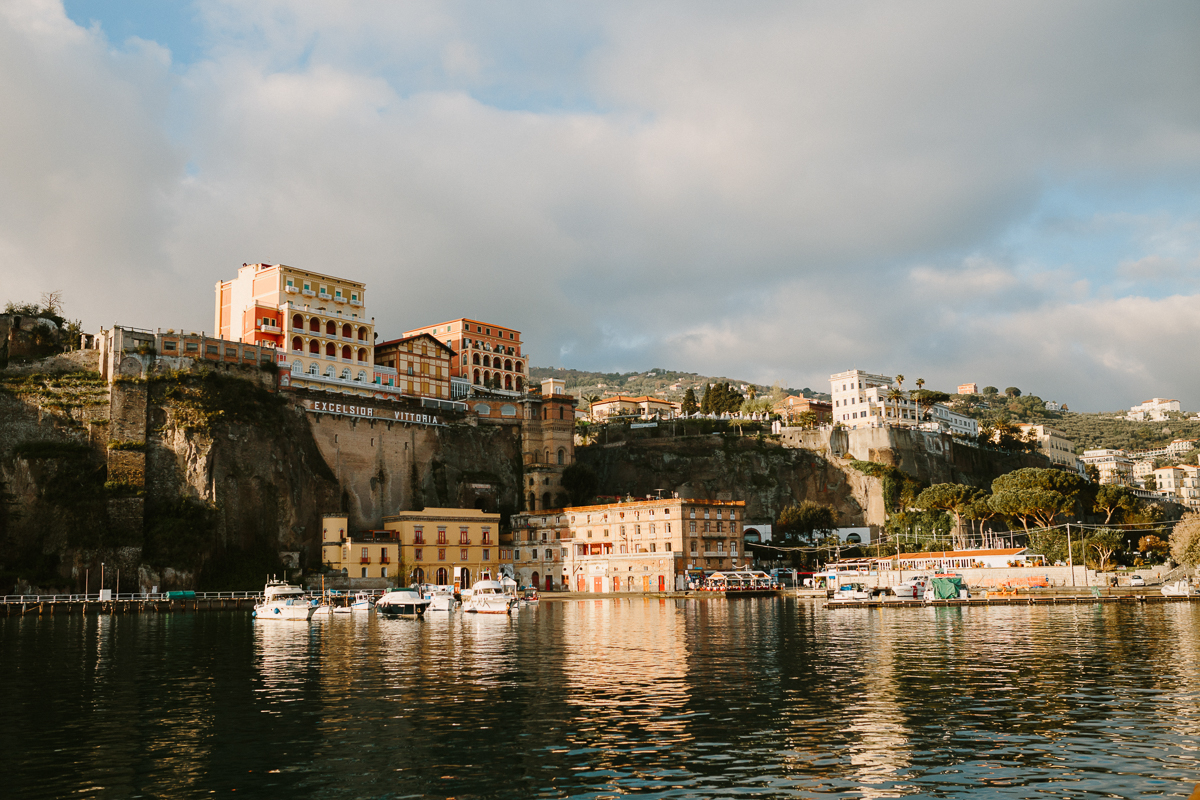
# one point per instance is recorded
(662, 698)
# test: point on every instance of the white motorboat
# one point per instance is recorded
(913, 587)
(1178, 589)
(852, 591)
(284, 601)
(489, 597)
(362, 602)
(440, 597)
(403, 602)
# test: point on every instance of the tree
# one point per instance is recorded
(952, 497)
(804, 523)
(1152, 545)
(580, 482)
(1150, 482)
(1111, 498)
(806, 419)
(1185, 540)
(899, 381)
(688, 406)
(1012, 391)
(895, 396)
(990, 391)
(1049, 543)
(1066, 484)
(1103, 543)
(590, 399)
(706, 401)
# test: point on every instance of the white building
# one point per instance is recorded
(1053, 444)
(1154, 410)
(1115, 466)
(863, 400)
(1181, 484)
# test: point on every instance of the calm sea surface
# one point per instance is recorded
(598, 699)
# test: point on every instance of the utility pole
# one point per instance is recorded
(1070, 555)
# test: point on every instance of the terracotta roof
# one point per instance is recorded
(1011, 551)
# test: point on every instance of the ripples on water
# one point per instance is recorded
(598, 699)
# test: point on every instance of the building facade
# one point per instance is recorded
(651, 545)
(644, 407)
(541, 543)
(790, 408)
(448, 546)
(365, 554)
(865, 400)
(967, 388)
(1053, 444)
(418, 366)
(1114, 466)
(1156, 409)
(485, 354)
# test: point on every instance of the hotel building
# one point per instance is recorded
(416, 365)
(541, 544)
(318, 323)
(645, 407)
(485, 355)
(449, 546)
(862, 400)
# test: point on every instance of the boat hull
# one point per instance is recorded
(294, 613)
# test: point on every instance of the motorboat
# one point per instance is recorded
(852, 591)
(361, 602)
(489, 597)
(913, 587)
(530, 596)
(284, 601)
(441, 597)
(403, 602)
(1179, 588)
(947, 587)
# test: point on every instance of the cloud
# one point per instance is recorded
(777, 191)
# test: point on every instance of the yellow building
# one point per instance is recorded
(368, 554)
(448, 546)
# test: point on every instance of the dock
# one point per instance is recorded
(19, 605)
(1013, 600)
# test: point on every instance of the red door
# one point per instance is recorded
(582, 584)
(549, 583)
(662, 583)
(597, 585)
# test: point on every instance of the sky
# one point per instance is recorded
(999, 193)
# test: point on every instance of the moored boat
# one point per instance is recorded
(440, 597)
(1179, 588)
(913, 587)
(361, 602)
(284, 601)
(403, 602)
(489, 597)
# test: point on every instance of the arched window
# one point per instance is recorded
(362, 334)
(560, 412)
(545, 413)
(346, 352)
(443, 577)
(518, 384)
(329, 373)
(362, 354)
(476, 381)
(536, 577)
(298, 322)
(562, 456)
(487, 362)
(548, 455)
(314, 325)
(507, 364)
(508, 382)
(532, 502)
(314, 369)
(517, 367)
(347, 331)
(418, 575)
(476, 359)
(345, 373)
(330, 349)
(362, 376)
(487, 378)
(546, 500)
(297, 343)
(331, 328)
(314, 347)
(297, 367)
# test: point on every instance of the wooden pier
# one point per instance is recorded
(20, 605)
(1014, 600)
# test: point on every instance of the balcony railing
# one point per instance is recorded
(291, 289)
(366, 560)
(325, 296)
(337, 298)
(356, 303)
(308, 293)
(384, 560)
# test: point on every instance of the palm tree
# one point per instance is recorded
(589, 399)
(920, 383)
(895, 395)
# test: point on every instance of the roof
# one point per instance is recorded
(1008, 551)
(644, 398)
(403, 339)
(466, 319)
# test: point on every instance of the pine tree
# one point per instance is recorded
(689, 402)
(706, 401)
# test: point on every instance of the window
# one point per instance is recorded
(652, 549)
(691, 527)
(464, 536)
(462, 555)
(212, 350)
(720, 526)
(383, 572)
(168, 345)
(441, 535)
(667, 547)
(606, 533)
(487, 554)
(365, 555)
(623, 548)
(364, 572)
(418, 535)
(516, 554)
(693, 512)
(417, 554)
(533, 555)
(693, 547)
(487, 535)
(441, 554)
(733, 548)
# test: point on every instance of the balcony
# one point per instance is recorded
(270, 327)
(337, 298)
(464, 541)
(291, 289)
(356, 303)
(325, 296)
(384, 560)
(366, 560)
(308, 293)
(714, 535)
(714, 553)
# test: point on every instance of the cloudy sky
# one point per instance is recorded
(1004, 193)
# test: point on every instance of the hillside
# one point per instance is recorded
(1094, 431)
(657, 382)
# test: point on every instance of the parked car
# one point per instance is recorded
(1137, 580)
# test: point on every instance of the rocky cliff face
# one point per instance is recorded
(766, 475)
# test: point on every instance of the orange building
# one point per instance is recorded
(318, 323)
(791, 407)
(484, 354)
(417, 365)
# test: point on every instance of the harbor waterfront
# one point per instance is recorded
(662, 697)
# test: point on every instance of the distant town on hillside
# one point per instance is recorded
(657, 382)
